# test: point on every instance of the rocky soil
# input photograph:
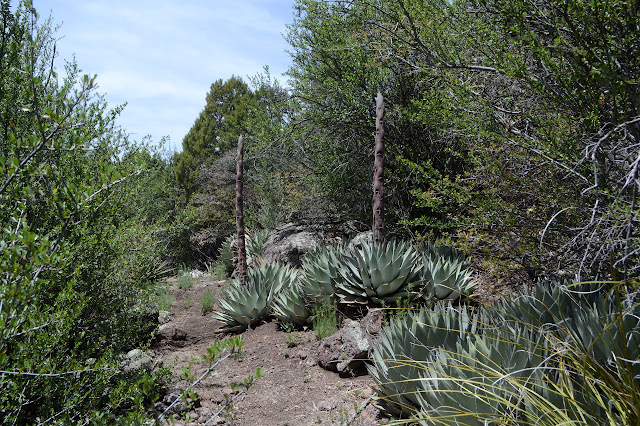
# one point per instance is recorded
(293, 389)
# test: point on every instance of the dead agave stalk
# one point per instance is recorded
(242, 254)
(378, 206)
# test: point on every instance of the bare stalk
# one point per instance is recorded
(242, 255)
(378, 206)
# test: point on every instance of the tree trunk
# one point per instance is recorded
(242, 255)
(378, 207)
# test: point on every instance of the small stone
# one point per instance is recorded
(164, 317)
(135, 353)
(302, 355)
(368, 393)
(325, 406)
(178, 334)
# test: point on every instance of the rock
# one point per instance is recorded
(347, 349)
(302, 355)
(289, 243)
(368, 393)
(164, 317)
(325, 406)
(137, 359)
(362, 237)
(179, 405)
(171, 332)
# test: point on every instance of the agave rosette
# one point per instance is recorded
(320, 275)
(379, 273)
(242, 306)
(445, 279)
(405, 347)
(289, 306)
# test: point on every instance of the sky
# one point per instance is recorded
(161, 56)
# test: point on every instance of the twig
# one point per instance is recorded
(202, 376)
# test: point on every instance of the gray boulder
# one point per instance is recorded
(137, 359)
(289, 243)
(347, 349)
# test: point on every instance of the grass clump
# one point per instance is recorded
(207, 301)
(164, 299)
(185, 280)
(325, 319)
(219, 271)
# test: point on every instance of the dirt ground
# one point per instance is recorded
(293, 389)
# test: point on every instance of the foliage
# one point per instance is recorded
(185, 279)
(255, 241)
(207, 301)
(552, 357)
(215, 130)
(325, 319)
(320, 274)
(290, 306)
(381, 272)
(78, 259)
(244, 306)
(164, 298)
(445, 279)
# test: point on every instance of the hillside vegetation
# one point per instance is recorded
(512, 132)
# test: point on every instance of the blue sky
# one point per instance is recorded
(162, 56)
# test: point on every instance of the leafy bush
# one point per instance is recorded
(78, 258)
(185, 279)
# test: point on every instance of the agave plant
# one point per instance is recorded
(255, 241)
(480, 380)
(380, 273)
(445, 279)
(405, 346)
(290, 306)
(226, 253)
(561, 355)
(244, 306)
(320, 275)
(275, 277)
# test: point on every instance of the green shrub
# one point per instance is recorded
(207, 301)
(185, 279)
(325, 320)
(164, 299)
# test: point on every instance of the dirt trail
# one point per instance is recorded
(293, 390)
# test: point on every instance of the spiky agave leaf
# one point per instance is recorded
(226, 253)
(405, 347)
(243, 306)
(446, 280)
(290, 306)
(275, 277)
(255, 241)
(445, 252)
(379, 273)
(320, 274)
